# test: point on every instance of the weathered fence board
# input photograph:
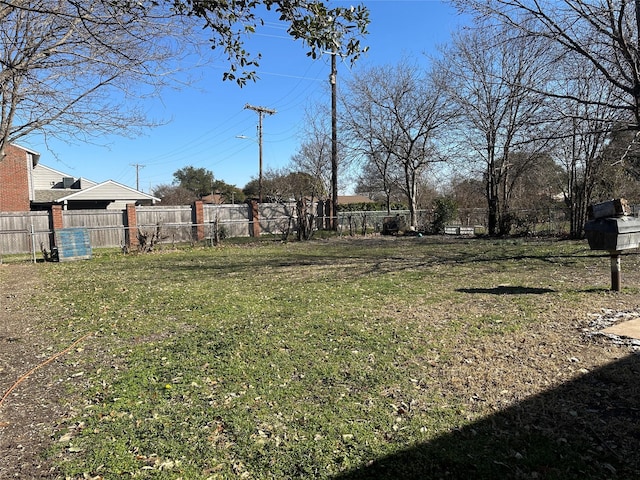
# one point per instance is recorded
(106, 227)
(275, 217)
(232, 218)
(175, 223)
(22, 232)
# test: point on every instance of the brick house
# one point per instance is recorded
(15, 178)
(26, 184)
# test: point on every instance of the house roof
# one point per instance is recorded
(49, 196)
(49, 186)
(346, 199)
(109, 189)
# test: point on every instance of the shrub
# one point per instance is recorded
(444, 211)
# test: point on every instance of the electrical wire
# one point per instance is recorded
(46, 362)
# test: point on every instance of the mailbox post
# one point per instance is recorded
(616, 276)
(614, 233)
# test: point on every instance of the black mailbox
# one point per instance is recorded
(613, 234)
(612, 229)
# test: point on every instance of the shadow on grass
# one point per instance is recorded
(588, 428)
(373, 256)
(507, 290)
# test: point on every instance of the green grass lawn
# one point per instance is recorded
(365, 358)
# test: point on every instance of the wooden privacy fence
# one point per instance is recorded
(25, 232)
(22, 232)
(106, 227)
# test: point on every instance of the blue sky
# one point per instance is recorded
(204, 120)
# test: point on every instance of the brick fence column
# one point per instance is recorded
(254, 218)
(197, 218)
(131, 227)
(55, 223)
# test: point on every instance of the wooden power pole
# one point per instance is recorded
(261, 111)
(334, 143)
(138, 167)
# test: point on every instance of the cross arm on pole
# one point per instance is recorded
(261, 111)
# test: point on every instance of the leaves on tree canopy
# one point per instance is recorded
(320, 28)
(197, 180)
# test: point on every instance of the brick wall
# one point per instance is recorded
(14, 180)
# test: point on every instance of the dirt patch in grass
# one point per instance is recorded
(33, 405)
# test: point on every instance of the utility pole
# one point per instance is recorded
(138, 167)
(334, 142)
(261, 111)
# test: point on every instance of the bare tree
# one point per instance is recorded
(396, 113)
(314, 159)
(618, 173)
(493, 79)
(372, 139)
(468, 193)
(602, 34)
(621, 172)
(596, 63)
(379, 180)
(537, 179)
(583, 131)
(284, 185)
(314, 154)
(78, 69)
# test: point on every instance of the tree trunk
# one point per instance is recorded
(505, 219)
(410, 184)
(492, 199)
(493, 216)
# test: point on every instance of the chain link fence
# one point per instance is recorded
(29, 232)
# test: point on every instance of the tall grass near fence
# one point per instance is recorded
(316, 359)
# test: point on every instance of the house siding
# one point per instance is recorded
(27, 185)
(14, 180)
(45, 178)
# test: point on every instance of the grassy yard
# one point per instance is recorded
(367, 358)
